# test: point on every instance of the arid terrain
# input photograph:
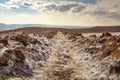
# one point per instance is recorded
(60, 54)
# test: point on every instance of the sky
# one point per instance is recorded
(61, 12)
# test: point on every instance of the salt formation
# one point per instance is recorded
(59, 56)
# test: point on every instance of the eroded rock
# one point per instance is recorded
(12, 63)
(4, 42)
(107, 49)
(105, 34)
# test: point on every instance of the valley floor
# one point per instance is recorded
(60, 56)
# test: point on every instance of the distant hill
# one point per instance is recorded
(86, 30)
(4, 27)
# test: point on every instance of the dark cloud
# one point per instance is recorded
(105, 14)
(13, 8)
(78, 9)
(97, 13)
(51, 7)
(74, 7)
(84, 1)
(114, 15)
(27, 4)
(66, 7)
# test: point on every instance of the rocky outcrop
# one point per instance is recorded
(105, 34)
(108, 49)
(16, 54)
(110, 46)
(12, 63)
(50, 34)
(116, 54)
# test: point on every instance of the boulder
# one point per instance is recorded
(115, 68)
(14, 59)
(118, 38)
(21, 38)
(94, 36)
(111, 39)
(116, 54)
(35, 41)
(4, 42)
(15, 54)
(101, 40)
(77, 34)
(72, 37)
(50, 34)
(107, 49)
(20, 55)
(105, 34)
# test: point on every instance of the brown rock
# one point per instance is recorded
(72, 37)
(3, 61)
(64, 32)
(108, 49)
(105, 34)
(111, 39)
(21, 37)
(4, 42)
(32, 49)
(116, 54)
(115, 69)
(118, 38)
(25, 43)
(94, 36)
(102, 40)
(19, 55)
(50, 34)
(35, 41)
(77, 34)
(92, 50)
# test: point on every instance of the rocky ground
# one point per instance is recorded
(59, 56)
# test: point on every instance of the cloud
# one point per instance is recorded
(51, 7)
(78, 9)
(8, 5)
(76, 6)
(45, 5)
(102, 7)
(66, 6)
(98, 10)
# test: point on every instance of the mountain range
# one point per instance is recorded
(4, 27)
(40, 28)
